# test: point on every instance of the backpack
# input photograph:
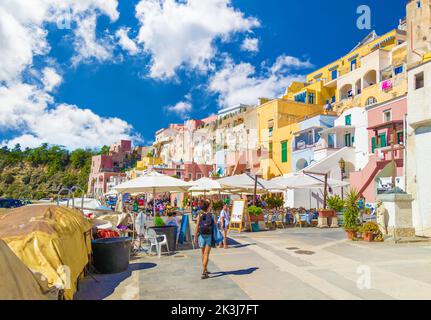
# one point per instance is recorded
(206, 224)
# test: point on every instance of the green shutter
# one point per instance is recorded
(284, 151)
(373, 144)
(348, 120)
(383, 141)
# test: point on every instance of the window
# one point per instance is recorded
(400, 137)
(383, 142)
(334, 99)
(199, 176)
(348, 120)
(398, 70)
(387, 116)
(301, 97)
(419, 81)
(331, 141)
(418, 4)
(271, 130)
(348, 140)
(270, 150)
(334, 74)
(353, 65)
(373, 144)
(311, 98)
(284, 150)
(370, 101)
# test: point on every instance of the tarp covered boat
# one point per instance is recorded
(17, 282)
(50, 240)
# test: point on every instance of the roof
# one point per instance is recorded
(389, 124)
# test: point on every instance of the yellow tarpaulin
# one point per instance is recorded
(17, 282)
(50, 240)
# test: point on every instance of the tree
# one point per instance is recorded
(105, 150)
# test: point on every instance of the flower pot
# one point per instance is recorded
(255, 227)
(258, 218)
(325, 213)
(351, 235)
(368, 236)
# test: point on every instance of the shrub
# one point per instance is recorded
(255, 211)
(371, 226)
(351, 211)
(335, 203)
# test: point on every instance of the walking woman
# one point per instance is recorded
(223, 222)
(204, 235)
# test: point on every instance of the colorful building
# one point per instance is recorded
(386, 122)
(419, 114)
(356, 79)
(106, 169)
(278, 122)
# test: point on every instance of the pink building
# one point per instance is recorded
(386, 124)
(187, 171)
(103, 167)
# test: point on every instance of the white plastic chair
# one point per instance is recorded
(152, 237)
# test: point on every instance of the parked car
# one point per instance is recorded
(11, 203)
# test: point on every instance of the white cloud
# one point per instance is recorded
(239, 83)
(179, 34)
(26, 106)
(250, 44)
(87, 46)
(51, 79)
(23, 30)
(182, 109)
(125, 42)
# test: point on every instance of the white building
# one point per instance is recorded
(419, 114)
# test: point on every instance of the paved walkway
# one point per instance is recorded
(286, 264)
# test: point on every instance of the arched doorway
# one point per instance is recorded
(370, 78)
(301, 164)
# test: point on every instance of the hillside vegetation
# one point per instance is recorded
(41, 172)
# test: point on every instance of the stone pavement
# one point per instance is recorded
(289, 264)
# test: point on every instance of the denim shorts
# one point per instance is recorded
(205, 240)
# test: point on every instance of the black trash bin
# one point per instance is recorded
(171, 236)
(111, 255)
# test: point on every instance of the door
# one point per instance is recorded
(348, 140)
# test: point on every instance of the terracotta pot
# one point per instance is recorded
(368, 236)
(351, 235)
(327, 213)
(257, 218)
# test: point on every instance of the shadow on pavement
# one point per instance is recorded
(89, 289)
(236, 245)
(243, 272)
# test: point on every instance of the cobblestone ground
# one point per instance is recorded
(286, 264)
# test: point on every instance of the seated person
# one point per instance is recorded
(173, 221)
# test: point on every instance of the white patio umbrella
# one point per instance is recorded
(205, 185)
(154, 182)
(303, 181)
(247, 182)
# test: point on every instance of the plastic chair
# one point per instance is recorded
(153, 237)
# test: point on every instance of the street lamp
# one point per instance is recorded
(342, 164)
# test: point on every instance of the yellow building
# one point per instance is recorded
(373, 72)
(278, 121)
(146, 162)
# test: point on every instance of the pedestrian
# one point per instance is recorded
(204, 236)
(223, 222)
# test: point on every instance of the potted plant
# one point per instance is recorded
(217, 205)
(369, 231)
(256, 214)
(351, 214)
(335, 203)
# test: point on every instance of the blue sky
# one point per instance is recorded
(101, 89)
